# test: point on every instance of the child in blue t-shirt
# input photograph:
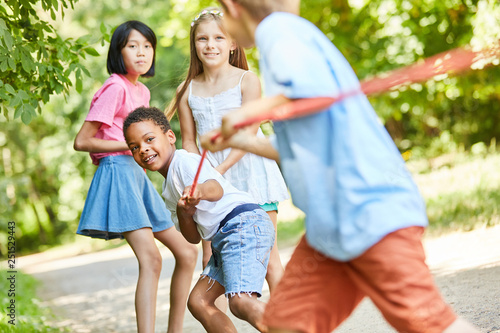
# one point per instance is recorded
(364, 213)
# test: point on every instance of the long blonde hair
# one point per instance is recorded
(236, 58)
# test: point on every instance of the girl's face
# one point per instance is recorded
(137, 55)
(212, 45)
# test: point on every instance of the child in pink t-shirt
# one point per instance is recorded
(122, 202)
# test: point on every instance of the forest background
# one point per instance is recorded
(52, 60)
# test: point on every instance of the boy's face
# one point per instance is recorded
(152, 149)
(235, 23)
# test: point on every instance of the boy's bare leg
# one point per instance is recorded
(201, 303)
(249, 308)
(461, 326)
(207, 252)
(220, 302)
(275, 267)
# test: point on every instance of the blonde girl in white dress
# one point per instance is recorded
(217, 82)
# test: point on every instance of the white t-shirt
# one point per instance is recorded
(208, 214)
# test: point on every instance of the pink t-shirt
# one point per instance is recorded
(111, 105)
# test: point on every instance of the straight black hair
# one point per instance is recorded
(119, 41)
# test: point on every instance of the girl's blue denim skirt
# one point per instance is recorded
(121, 198)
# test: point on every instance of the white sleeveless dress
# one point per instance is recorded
(258, 176)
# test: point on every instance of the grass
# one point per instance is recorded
(289, 232)
(461, 191)
(464, 211)
(30, 314)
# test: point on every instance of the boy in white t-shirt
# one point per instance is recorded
(241, 232)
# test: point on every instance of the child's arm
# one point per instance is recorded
(86, 141)
(250, 91)
(243, 140)
(248, 111)
(186, 207)
(188, 126)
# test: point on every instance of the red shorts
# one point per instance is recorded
(317, 293)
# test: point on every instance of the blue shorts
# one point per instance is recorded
(240, 252)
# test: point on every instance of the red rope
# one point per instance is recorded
(195, 181)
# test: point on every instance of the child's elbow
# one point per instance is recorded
(214, 191)
(78, 145)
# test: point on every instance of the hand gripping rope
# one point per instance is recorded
(449, 62)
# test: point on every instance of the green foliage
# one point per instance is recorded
(31, 316)
(289, 232)
(464, 211)
(379, 36)
(35, 62)
(43, 181)
(462, 190)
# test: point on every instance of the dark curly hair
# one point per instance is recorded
(144, 114)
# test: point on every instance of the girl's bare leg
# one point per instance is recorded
(275, 267)
(186, 255)
(149, 258)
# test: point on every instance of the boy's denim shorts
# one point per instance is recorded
(240, 253)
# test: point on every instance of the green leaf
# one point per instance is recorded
(103, 28)
(27, 63)
(15, 101)
(23, 95)
(91, 51)
(9, 88)
(84, 70)
(3, 66)
(58, 88)
(83, 39)
(45, 96)
(4, 96)
(18, 112)
(3, 26)
(8, 41)
(26, 117)
(28, 107)
(79, 86)
(5, 112)
(12, 63)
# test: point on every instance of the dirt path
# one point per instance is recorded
(95, 292)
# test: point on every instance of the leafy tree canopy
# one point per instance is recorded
(35, 62)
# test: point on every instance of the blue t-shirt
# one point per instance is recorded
(342, 167)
